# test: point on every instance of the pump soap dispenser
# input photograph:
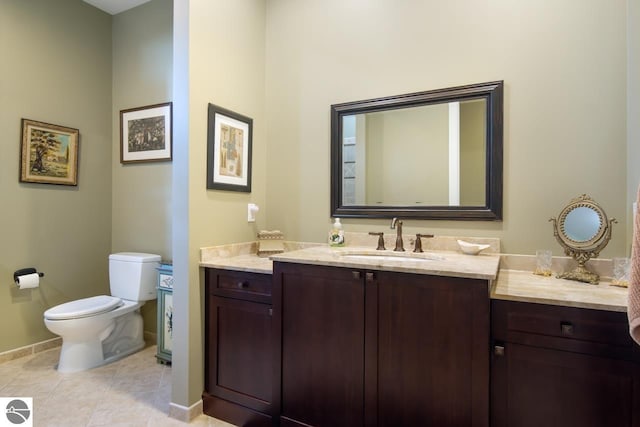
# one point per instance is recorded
(336, 235)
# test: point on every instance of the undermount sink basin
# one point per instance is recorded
(390, 256)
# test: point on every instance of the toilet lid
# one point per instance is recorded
(83, 307)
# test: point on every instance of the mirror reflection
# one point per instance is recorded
(442, 144)
(430, 155)
(582, 224)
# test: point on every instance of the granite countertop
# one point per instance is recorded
(441, 263)
(520, 285)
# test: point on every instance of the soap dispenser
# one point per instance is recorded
(336, 234)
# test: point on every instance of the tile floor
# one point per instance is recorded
(133, 392)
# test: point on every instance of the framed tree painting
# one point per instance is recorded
(229, 138)
(145, 133)
(49, 153)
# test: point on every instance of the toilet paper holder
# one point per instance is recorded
(24, 272)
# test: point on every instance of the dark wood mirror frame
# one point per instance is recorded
(492, 211)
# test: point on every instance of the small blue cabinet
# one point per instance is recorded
(165, 312)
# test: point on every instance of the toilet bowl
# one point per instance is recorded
(101, 329)
(84, 334)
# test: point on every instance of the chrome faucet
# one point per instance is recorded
(397, 225)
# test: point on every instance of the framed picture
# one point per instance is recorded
(49, 153)
(229, 137)
(145, 133)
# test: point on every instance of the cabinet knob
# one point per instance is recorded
(566, 328)
(242, 285)
(498, 350)
(356, 274)
(370, 276)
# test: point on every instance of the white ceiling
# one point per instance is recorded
(115, 6)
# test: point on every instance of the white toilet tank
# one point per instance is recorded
(132, 275)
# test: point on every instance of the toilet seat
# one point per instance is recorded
(85, 307)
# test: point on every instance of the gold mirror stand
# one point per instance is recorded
(580, 273)
(582, 251)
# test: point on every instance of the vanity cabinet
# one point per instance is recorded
(562, 366)
(239, 346)
(432, 351)
(379, 348)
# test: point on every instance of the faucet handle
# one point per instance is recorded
(380, 240)
(418, 246)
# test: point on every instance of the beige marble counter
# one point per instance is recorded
(242, 257)
(441, 263)
(520, 285)
(251, 263)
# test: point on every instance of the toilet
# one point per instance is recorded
(102, 329)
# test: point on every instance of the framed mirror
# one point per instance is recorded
(583, 230)
(427, 155)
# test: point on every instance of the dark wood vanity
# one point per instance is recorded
(381, 348)
(318, 345)
(346, 347)
(562, 366)
(239, 348)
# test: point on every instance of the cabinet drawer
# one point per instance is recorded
(238, 284)
(518, 322)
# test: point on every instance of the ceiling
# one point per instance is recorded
(115, 6)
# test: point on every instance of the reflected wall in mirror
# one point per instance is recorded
(430, 155)
(583, 230)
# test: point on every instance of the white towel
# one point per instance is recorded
(633, 306)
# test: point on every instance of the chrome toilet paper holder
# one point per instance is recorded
(24, 272)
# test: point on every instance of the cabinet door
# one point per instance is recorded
(321, 318)
(433, 351)
(542, 387)
(239, 355)
(165, 325)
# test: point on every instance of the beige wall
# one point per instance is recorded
(141, 192)
(219, 57)
(396, 152)
(564, 69)
(56, 68)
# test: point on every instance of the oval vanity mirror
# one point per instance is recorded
(583, 230)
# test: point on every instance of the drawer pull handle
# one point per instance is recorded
(243, 285)
(566, 328)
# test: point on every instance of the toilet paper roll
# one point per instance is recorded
(28, 281)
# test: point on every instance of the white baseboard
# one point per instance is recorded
(184, 414)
